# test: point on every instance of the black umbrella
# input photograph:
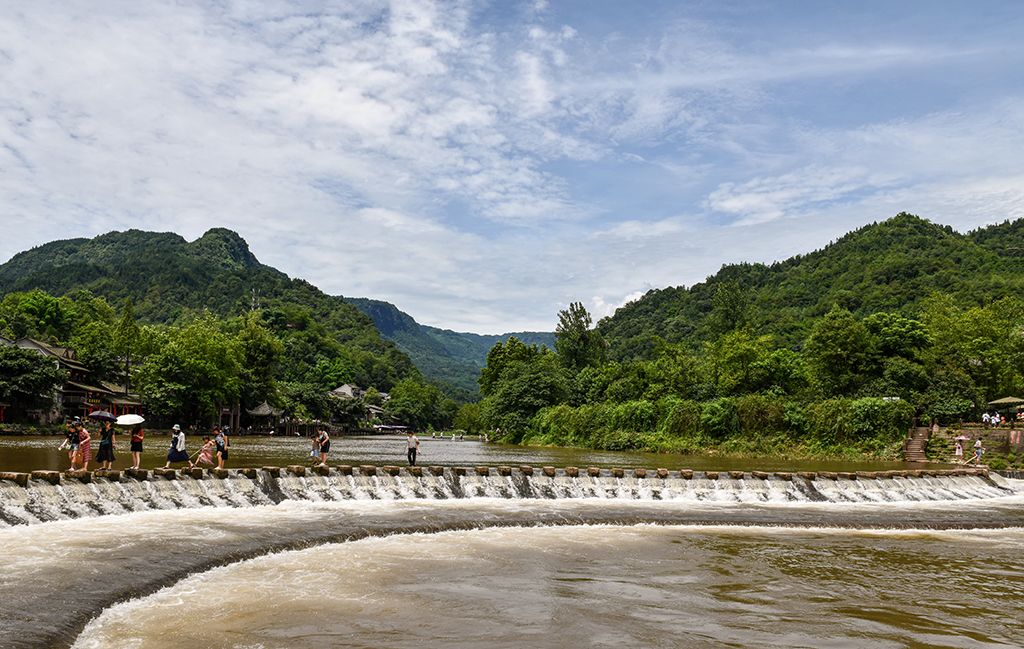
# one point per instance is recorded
(102, 415)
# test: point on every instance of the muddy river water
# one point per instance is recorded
(494, 561)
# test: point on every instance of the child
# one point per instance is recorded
(205, 453)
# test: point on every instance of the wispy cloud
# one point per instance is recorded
(482, 165)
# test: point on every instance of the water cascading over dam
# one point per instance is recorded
(48, 496)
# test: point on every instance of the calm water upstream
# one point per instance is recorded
(32, 453)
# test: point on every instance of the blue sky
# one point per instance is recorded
(482, 164)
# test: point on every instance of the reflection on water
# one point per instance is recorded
(32, 453)
(599, 586)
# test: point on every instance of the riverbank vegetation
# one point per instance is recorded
(189, 369)
(833, 353)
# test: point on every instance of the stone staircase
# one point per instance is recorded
(913, 447)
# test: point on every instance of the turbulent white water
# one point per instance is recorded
(41, 501)
(602, 586)
(59, 574)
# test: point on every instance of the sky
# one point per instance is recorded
(483, 164)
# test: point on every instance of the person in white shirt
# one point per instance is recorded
(412, 445)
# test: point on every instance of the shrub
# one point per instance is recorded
(719, 418)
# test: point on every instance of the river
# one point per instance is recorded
(380, 560)
(40, 452)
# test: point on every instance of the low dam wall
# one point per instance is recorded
(50, 495)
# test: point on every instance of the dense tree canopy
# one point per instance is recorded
(28, 378)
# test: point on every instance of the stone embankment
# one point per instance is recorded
(86, 477)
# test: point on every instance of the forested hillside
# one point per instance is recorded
(835, 352)
(450, 357)
(69, 292)
(167, 277)
(889, 266)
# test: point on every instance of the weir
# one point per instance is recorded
(49, 495)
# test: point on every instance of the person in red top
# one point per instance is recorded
(137, 436)
(84, 446)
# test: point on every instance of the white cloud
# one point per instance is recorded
(480, 175)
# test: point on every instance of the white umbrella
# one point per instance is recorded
(129, 420)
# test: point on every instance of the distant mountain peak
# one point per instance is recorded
(225, 247)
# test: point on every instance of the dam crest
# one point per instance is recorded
(50, 495)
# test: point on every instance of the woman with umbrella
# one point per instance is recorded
(135, 421)
(105, 455)
(958, 450)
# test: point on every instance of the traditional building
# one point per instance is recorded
(79, 395)
(347, 391)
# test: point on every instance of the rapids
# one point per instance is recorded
(40, 501)
(73, 550)
(597, 586)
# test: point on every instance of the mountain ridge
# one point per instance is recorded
(889, 265)
(167, 276)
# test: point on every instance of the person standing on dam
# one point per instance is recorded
(222, 442)
(412, 445)
(177, 451)
(323, 443)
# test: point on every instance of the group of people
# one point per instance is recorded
(320, 446)
(214, 451)
(996, 419)
(216, 444)
(78, 441)
(958, 452)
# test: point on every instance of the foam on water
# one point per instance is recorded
(41, 501)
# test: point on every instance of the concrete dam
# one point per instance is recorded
(41, 496)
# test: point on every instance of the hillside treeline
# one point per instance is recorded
(187, 370)
(854, 385)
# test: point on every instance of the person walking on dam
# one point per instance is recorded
(177, 451)
(979, 450)
(221, 441)
(323, 443)
(106, 453)
(72, 444)
(84, 446)
(412, 445)
(205, 453)
(136, 448)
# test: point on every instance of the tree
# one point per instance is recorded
(195, 372)
(577, 345)
(126, 340)
(836, 353)
(418, 404)
(469, 418)
(28, 379)
(261, 353)
(524, 388)
(503, 356)
(896, 335)
(94, 347)
(730, 307)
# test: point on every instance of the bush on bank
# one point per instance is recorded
(753, 423)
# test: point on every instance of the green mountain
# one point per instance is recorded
(167, 277)
(886, 266)
(450, 357)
